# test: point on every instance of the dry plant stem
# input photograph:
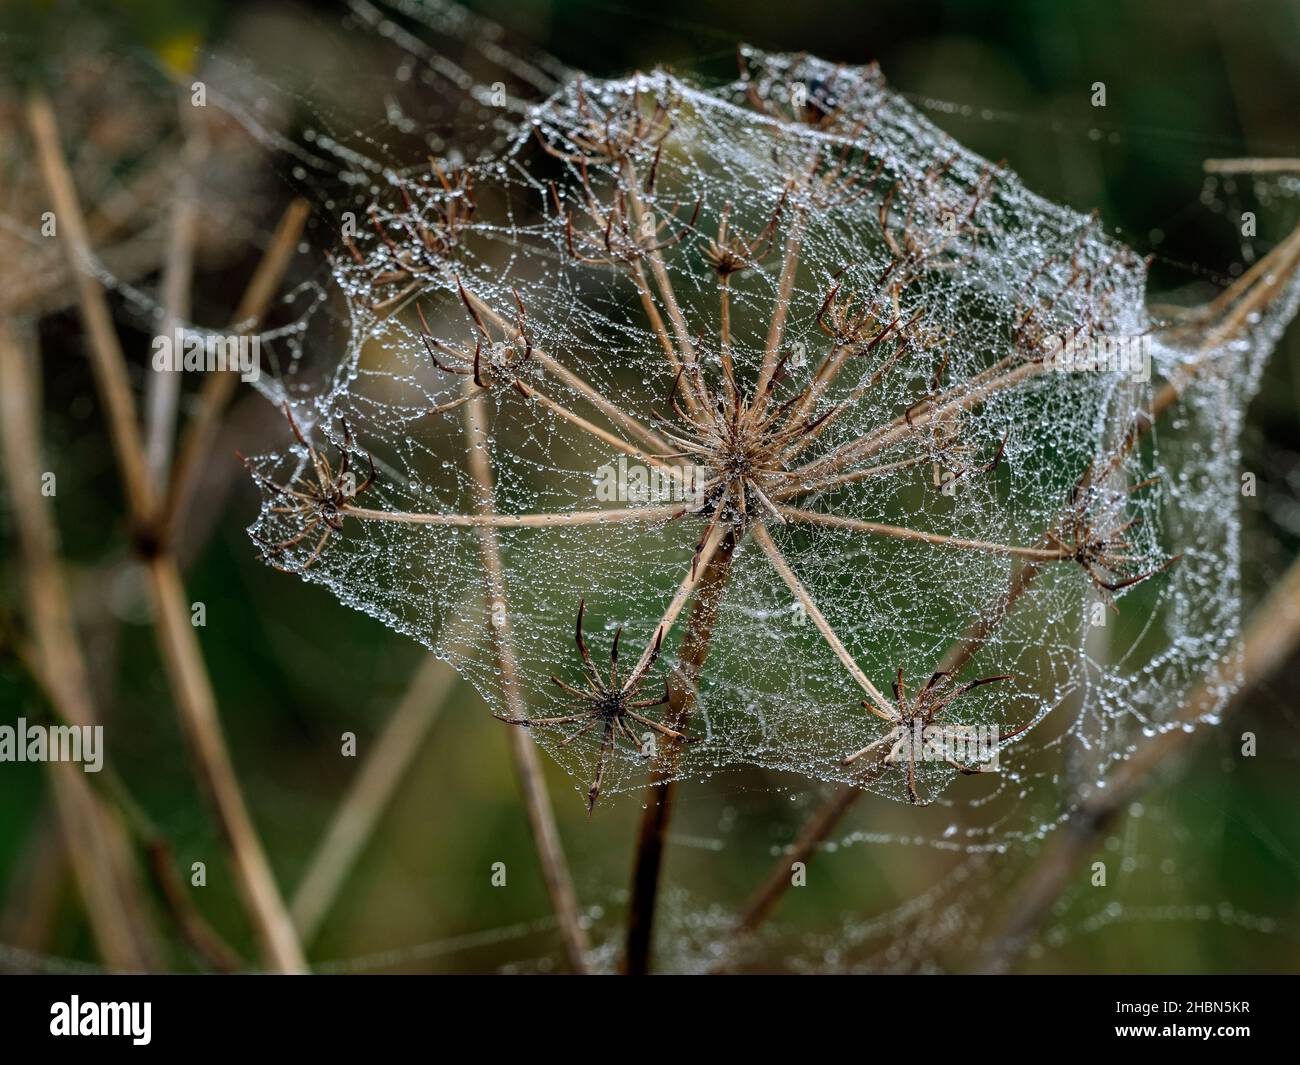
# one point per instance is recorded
(370, 793)
(961, 653)
(1252, 166)
(192, 689)
(1254, 296)
(619, 417)
(177, 638)
(36, 888)
(537, 803)
(1279, 261)
(665, 341)
(647, 436)
(657, 323)
(154, 849)
(796, 586)
(492, 520)
(218, 388)
(163, 390)
(41, 289)
(612, 411)
(659, 270)
(95, 839)
(203, 939)
(683, 684)
(956, 401)
(835, 521)
(1247, 296)
(699, 564)
(881, 470)
(109, 366)
(603, 435)
(789, 271)
(818, 827)
(1271, 638)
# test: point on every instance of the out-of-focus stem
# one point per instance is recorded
(1271, 637)
(1252, 166)
(370, 794)
(153, 847)
(176, 636)
(109, 366)
(96, 841)
(199, 436)
(537, 803)
(163, 390)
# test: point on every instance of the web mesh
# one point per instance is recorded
(940, 281)
(790, 315)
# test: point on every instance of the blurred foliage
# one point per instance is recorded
(294, 669)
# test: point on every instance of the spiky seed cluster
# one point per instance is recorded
(608, 703)
(762, 442)
(915, 722)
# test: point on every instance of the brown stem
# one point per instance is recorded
(603, 435)
(129, 249)
(153, 846)
(95, 840)
(825, 485)
(357, 815)
(782, 567)
(785, 291)
(816, 829)
(665, 341)
(218, 388)
(162, 394)
(492, 520)
(724, 317)
(683, 685)
(957, 400)
(537, 803)
(109, 366)
(192, 689)
(699, 565)
(177, 638)
(658, 268)
(37, 880)
(1252, 166)
(1284, 258)
(571, 380)
(194, 928)
(899, 532)
(1271, 637)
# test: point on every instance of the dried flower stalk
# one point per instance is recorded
(177, 640)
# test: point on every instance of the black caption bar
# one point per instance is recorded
(149, 1014)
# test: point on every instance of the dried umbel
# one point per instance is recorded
(608, 704)
(919, 720)
(797, 287)
(319, 505)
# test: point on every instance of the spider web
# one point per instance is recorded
(1003, 269)
(537, 285)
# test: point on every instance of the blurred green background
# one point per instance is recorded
(1215, 847)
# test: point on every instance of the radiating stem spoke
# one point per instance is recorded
(782, 567)
(571, 380)
(699, 563)
(522, 521)
(898, 532)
